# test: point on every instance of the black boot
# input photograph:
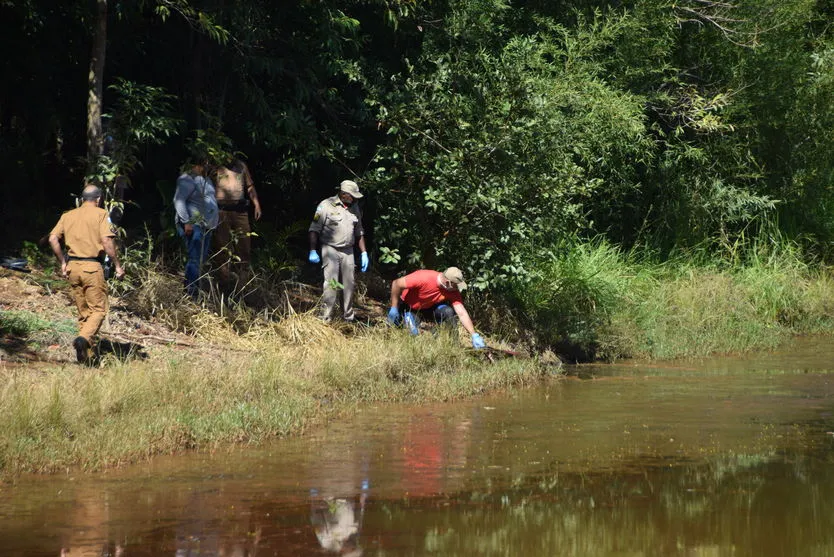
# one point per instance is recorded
(82, 350)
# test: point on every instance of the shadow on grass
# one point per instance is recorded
(122, 351)
(16, 348)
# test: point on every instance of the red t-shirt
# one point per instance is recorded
(422, 291)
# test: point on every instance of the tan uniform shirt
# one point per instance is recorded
(337, 225)
(82, 230)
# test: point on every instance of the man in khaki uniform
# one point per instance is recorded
(88, 235)
(234, 190)
(338, 224)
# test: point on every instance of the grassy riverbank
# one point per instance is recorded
(253, 390)
(244, 377)
(596, 301)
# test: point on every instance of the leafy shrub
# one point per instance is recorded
(495, 143)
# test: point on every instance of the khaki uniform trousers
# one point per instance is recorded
(89, 290)
(232, 237)
(336, 261)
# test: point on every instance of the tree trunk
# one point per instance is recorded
(95, 141)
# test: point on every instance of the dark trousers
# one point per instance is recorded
(231, 238)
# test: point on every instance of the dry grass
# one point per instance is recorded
(246, 375)
(277, 379)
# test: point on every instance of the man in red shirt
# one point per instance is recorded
(436, 294)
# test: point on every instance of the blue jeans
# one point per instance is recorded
(442, 314)
(197, 250)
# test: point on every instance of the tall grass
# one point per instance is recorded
(596, 301)
(268, 386)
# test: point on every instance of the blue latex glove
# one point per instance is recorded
(412, 322)
(364, 259)
(478, 342)
(394, 316)
(313, 257)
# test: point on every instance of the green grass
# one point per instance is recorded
(22, 323)
(36, 329)
(596, 301)
(93, 418)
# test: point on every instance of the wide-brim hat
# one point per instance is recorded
(350, 187)
(455, 275)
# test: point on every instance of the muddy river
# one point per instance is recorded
(722, 457)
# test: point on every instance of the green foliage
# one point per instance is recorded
(291, 82)
(388, 255)
(210, 145)
(592, 300)
(572, 293)
(138, 261)
(142, 115)
(513, 131)
(274, 255)
(495, 141)
(29, 324)
(199, 19)
(38, 258)
(730, 156)
(21, 323)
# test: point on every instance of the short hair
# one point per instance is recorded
(90, 193)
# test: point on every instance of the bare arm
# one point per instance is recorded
(465, 320)
(255, 203)
(253, 194)
(55, 244)
(314, 240)
(362, 244)
(397, 288)
(110, 250)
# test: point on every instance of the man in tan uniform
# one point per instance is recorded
(88, 235)
(338, 224)
(234, 185)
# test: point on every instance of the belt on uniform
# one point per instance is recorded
(241, 206)
(345, 249)
(74, 258)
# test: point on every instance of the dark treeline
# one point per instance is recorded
(485, 131)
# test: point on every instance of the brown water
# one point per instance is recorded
(725, 457)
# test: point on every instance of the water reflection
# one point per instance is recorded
(741, 505)
(90, 525)
(209, 525)
(739, 465)
(433, 451)
(744, 506)
(337, 523)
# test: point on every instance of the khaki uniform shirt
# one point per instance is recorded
(82, 230)
(337, 225)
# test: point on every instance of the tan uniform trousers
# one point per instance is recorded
(232, 237)
(335, 262)
(89, 290)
